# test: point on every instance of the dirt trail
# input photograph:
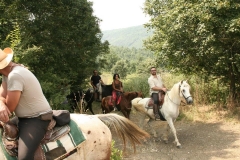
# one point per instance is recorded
(201, 140)
(211, 140)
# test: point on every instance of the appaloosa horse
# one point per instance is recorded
(96, 136)
(123, 103)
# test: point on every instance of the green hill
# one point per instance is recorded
(127, 37)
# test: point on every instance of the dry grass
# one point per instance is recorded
(209, 113)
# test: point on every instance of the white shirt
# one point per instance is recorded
(32, 102)
(154, 82)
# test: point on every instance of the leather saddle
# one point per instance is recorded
(10, 138)
(161, 96)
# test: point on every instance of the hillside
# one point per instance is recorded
(127, 37)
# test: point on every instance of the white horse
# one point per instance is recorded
(96, 129)
(169, 109)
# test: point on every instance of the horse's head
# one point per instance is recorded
(184, 91)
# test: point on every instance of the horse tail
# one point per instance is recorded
(124, 128)
(138, 106)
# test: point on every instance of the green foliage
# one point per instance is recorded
(58, 40)
(121, 67)
(197, 37)
(116, 154)
(137, 82)
(131, 37)
(124, 60)
(203, 92)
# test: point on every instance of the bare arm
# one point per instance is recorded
(12, 99)
(4, 111)
(159, 88)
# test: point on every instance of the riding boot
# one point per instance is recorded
(156, 112)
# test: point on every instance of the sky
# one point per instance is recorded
(116, 14)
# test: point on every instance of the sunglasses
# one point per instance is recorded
(153, 70)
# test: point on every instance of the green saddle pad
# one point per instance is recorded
(69, 142)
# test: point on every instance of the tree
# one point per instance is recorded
(199, 37)
(121, 67)
(60, 41)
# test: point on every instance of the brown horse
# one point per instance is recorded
(124, 105)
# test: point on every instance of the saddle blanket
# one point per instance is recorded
(69, 142)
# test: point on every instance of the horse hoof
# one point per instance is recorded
(179, 147)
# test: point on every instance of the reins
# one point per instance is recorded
(179, 95)
(172, 100)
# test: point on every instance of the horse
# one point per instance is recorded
(104, 90)
(124, 105)
(169, 111)
(96, 130)
(82, 100)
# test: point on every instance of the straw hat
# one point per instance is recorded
(6, 56)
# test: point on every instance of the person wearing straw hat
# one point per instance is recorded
(21, 93)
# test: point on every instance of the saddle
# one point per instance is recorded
(54, 132)
(161, 96)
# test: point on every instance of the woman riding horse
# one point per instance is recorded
(117, 90)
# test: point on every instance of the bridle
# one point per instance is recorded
(186, 98)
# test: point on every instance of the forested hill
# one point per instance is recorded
(127, 37)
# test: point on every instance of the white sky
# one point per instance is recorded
(117, 14)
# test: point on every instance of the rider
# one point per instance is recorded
(95, 79)
(21, 93)
(117, 89)
(156, 85)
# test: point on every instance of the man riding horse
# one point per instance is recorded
(95, 79)
(157, 91)
(21, 93)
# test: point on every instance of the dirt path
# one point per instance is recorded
(211, 140)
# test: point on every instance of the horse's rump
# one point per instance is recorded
(97, 137)
(141, 105)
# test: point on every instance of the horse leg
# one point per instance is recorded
(166, 133)
(124, 113)
(152, 128)
(100, 96)
(170, 122)
(90, 108)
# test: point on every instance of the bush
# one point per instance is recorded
(116, 154)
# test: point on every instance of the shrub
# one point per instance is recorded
(116, 154)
